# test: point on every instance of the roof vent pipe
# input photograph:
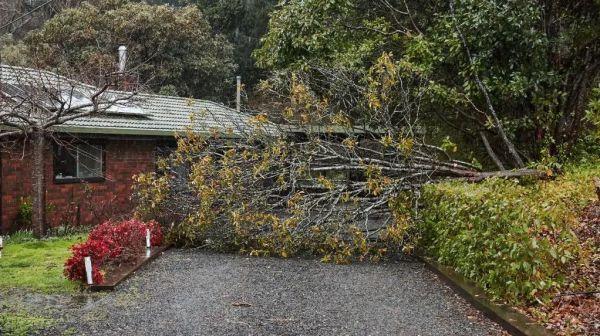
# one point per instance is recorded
(122, 58)
(238, 97)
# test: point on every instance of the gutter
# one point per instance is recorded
(120, 131)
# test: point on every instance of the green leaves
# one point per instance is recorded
(324, 32)
(593, 110)
(515, 241)
(167, 46)
(536, 60)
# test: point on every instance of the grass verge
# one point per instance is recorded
(36, 265)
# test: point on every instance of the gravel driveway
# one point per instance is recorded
(188, 292)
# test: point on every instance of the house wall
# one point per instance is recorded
(76, 203)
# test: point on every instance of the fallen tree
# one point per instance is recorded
(318, 177)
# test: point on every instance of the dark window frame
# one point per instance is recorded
(72, 180)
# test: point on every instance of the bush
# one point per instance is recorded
(109, 244)
(24, 214)
(516, 241)
(23, 220)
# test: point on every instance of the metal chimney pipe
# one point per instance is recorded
(122, 58)
(238, 97)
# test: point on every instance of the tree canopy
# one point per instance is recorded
(536, 61)
(243, 22)
(174, 49)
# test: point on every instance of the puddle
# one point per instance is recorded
(83, 300)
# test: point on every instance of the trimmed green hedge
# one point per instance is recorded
(515, 240)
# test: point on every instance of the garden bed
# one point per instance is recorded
(112, 251)
(576, 310)
(123, 271)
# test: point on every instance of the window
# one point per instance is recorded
(79, 162)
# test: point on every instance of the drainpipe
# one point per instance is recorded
(238, 97)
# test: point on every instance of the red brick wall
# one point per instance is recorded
(77, 203)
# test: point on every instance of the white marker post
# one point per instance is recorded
(148, 239)
(148, 244)
(88, 270)
(1, 245)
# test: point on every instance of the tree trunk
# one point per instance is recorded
(490, 107)
(490, 151)
(38, 211)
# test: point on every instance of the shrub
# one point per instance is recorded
(23, 220)
(109, 244)
(514, 240)
(24, 214)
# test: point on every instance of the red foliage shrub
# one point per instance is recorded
(111, 243)
(75, 268)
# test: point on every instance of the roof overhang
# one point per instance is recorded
(123, 131)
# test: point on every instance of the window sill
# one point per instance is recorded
(73, 180)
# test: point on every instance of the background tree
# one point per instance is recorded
(20, 16)
(537, 62)
(175, 47)
(349, 33)
(13, 52)
(243, 22)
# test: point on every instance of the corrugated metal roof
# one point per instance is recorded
(159, 115)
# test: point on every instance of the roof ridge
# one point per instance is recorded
(52, 73)
(157, 95)
(31, 70)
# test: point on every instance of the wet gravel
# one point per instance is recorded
(187, 292)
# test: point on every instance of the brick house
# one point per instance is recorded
(94, 158)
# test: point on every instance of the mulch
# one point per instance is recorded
(578, 312)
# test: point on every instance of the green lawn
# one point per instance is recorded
(36, 264)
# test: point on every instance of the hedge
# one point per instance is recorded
(514, 239)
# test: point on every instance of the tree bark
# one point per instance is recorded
(38, 211)
(490, 151)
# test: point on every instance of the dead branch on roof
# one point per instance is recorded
(34, 102)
